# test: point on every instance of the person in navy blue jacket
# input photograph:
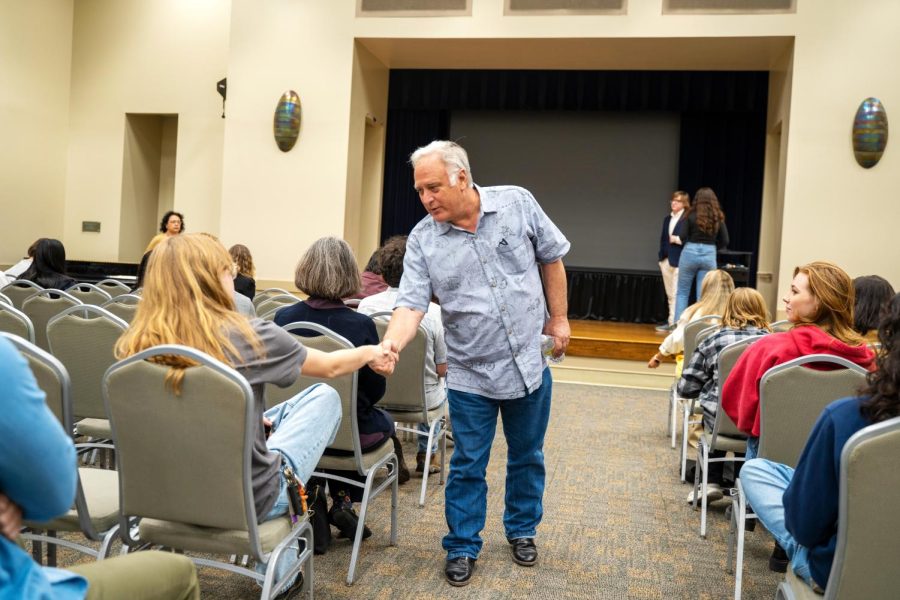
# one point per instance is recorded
(670, 251)
(328, 272)
(800, 507)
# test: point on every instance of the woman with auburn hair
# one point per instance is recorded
(188, 299)
(327, 272)
(717, 287)
(703, 232)
(820, 307)
(800, 507)
(745, 316)
(244, 281)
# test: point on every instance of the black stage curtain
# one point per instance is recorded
(722, 138)
(616, 295)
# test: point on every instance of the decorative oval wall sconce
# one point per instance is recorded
(287, 120)
(870, 132)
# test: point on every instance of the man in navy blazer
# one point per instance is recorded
(670, 250)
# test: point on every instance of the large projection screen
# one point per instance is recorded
(605, 178)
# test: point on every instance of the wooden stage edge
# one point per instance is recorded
(607, 339)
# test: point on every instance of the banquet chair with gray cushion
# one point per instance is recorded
(14, 321)
(185, 466)
(43, 306)
(19, 290)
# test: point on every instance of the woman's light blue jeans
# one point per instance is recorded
(474, 420)
(302, 428)
(696, 261)
(764, 483)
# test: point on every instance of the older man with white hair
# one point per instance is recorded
(482, 252)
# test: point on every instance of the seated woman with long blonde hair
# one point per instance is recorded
(188, 300)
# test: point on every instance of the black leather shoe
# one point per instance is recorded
(524, 551)
(458, 571)
(778, 562)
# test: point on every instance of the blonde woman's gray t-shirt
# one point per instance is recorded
(280, 364)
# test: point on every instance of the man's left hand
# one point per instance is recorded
(558, 328)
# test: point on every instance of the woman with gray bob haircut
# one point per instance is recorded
(454, 156)
(328, 270)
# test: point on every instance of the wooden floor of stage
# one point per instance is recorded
(607, 339)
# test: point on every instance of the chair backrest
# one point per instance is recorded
(263, 295)
(792, 396)
(692, 329)
(347, 438)
(123, 306)
(114, 287)
(726, 361)
(20, 289)
(865, 558)
(183, 457)
(274, 303)
(51, 376)
(43, 306)
(4, 299)
(14, 321)
(352, 303)
(702, 335)
(89, 293)
(405, 388)
(83, 338)
(781, 326)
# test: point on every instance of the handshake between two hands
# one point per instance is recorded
(386, 357)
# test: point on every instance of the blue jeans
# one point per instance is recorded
(474, 420)
(302, 428)
(764, 483)
(696, 261)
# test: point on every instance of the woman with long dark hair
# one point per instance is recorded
(800, 507)
(48, 269)
(703, 232)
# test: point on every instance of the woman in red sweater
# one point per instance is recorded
(820, 307)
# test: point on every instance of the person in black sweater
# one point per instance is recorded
(48, 269)
(703, 232)
(328, 272)
(244, 281)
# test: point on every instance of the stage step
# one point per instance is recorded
(613, 372)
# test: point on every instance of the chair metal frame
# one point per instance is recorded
(273, 303)
(88, 294)
(110, 285)
(740, 512)
(18, 298)
(84, 523)
(688, 407)
(40, 327)
(851, 462)
(404, 411)
(18, 315)
(263, 295)
(388, 461)
(689, 344)
(4, 299)
(300, 530)
(709, 441)
(122, 300)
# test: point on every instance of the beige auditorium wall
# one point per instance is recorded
(278, 203)
(134, 56)
(833, 208)
(35, 62)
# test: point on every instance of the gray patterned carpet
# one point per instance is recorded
(616, 523)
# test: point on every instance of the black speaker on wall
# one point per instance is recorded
(222, 88)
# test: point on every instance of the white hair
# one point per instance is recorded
(452, 154)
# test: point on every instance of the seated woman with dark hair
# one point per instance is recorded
(328, 272)
(873, 293)
(48, 269)
(800, 507)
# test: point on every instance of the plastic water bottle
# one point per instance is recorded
(547, 349)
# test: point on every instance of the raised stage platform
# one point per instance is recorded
(607, 339)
